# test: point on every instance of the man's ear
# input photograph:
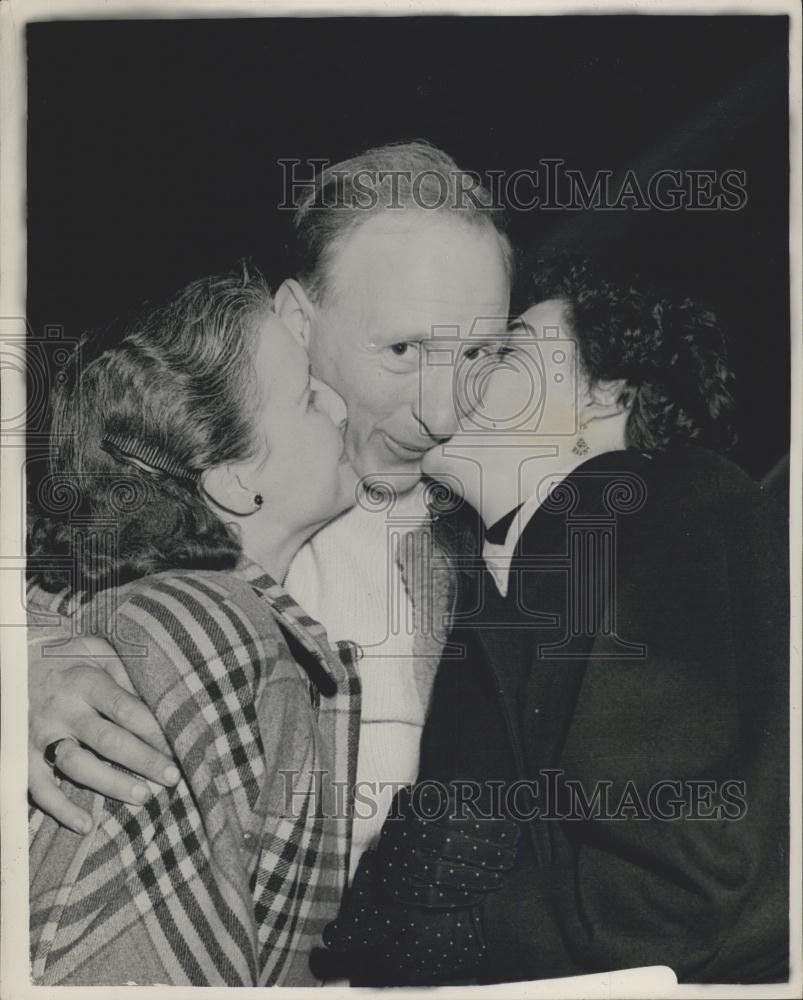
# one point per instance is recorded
(223, 486)
(293, 307)
(605, 399)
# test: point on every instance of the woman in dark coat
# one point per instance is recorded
(617, 697)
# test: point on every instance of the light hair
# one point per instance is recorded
(395, 177)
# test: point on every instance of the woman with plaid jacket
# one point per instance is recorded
(190, 460)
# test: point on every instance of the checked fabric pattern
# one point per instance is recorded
(230, 877)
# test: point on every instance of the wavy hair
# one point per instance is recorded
(669, 352)
(180, 381)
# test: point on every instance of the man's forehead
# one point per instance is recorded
(431, 273)
(419, 245)
(407, 312)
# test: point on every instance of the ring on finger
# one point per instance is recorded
(51, 749)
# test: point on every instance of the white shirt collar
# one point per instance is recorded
(499, 557)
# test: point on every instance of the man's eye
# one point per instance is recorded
(400, 349)
(481, 350)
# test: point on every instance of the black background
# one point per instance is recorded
(153, 148)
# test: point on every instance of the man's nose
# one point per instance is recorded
(435, 408)
(328, 401)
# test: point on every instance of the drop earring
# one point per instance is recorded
(258, 500)
(581, 445)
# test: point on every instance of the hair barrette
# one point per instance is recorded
(147, 457)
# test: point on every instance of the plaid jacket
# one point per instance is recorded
(229, 877)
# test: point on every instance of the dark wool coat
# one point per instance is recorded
(641, 655)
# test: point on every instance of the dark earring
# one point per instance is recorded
(581, 445)
(258, 500)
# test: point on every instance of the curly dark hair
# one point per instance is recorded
(180, 379)
(669, 351)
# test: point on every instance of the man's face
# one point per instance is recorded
(395, 280)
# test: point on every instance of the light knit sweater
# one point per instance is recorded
(347, 578)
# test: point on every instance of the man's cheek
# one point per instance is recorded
(368, 399)
(327, 365)
(359, 429)
(325, 371)
(350, 379)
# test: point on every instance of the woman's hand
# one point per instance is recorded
(84, 693)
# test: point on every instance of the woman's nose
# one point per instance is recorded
(328, 401)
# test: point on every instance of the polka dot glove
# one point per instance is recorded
(448, 861)
(393, 945)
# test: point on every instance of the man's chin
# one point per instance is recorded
(434, 463)
(377, 466)
(401, 478)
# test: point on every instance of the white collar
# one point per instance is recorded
(499, 557)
